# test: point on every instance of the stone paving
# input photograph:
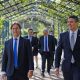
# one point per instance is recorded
(37, 73)
(37, 76)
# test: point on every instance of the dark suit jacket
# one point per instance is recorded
(51, 44)
(55, 40)
(25, 57)
(36, 46)
(34, 43)
(64, 43)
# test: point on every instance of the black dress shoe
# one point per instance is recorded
(49, 73)
(36, 67)
(42, 74)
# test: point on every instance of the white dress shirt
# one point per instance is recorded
(30, 38)
(75, 37)
(17, 43)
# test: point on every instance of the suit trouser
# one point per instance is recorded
(73, 74)
(17, 75)
(52, 58)
(45, 57)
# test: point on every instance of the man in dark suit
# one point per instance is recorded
(34, 42)
(69, 41)
(35, 51)
(17, 60)
(55, 42)
(47, 47)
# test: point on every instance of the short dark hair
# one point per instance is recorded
(74, 17)
(16, 24)
(30, 29)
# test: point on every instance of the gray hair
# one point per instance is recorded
(45, 30)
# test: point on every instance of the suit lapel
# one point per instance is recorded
(11, 45)
(11, 49)
(68, 39)
(26, 37)
(77, 40)
(42, 41)
(19, 49)
(48, 40)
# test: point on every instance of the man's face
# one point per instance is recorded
(51, 33)
(45, 33)
(35, 34)
(30, 32)
(16, 31)
(72, 24)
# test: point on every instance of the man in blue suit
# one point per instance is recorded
(47, 47)
(17, 61)
(69, 41)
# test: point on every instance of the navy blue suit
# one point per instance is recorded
(36, 46)
(46, 55)
(25, 58)
(51, 44)
(69, 69)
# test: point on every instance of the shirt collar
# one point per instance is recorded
(30, 35)
(16, 38)
(74, 31)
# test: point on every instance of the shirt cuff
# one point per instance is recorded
(2, 73)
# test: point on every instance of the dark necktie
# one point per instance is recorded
(15, 54)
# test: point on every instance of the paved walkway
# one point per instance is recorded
(37, 73)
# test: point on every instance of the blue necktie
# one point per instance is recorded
(15, 54)
(45, 43)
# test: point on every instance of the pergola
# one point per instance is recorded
(15, 8)
(46, 11)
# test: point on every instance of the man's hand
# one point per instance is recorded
(30, 73)
(57, 72)
(3, 76)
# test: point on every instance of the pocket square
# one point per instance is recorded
(78, 35)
